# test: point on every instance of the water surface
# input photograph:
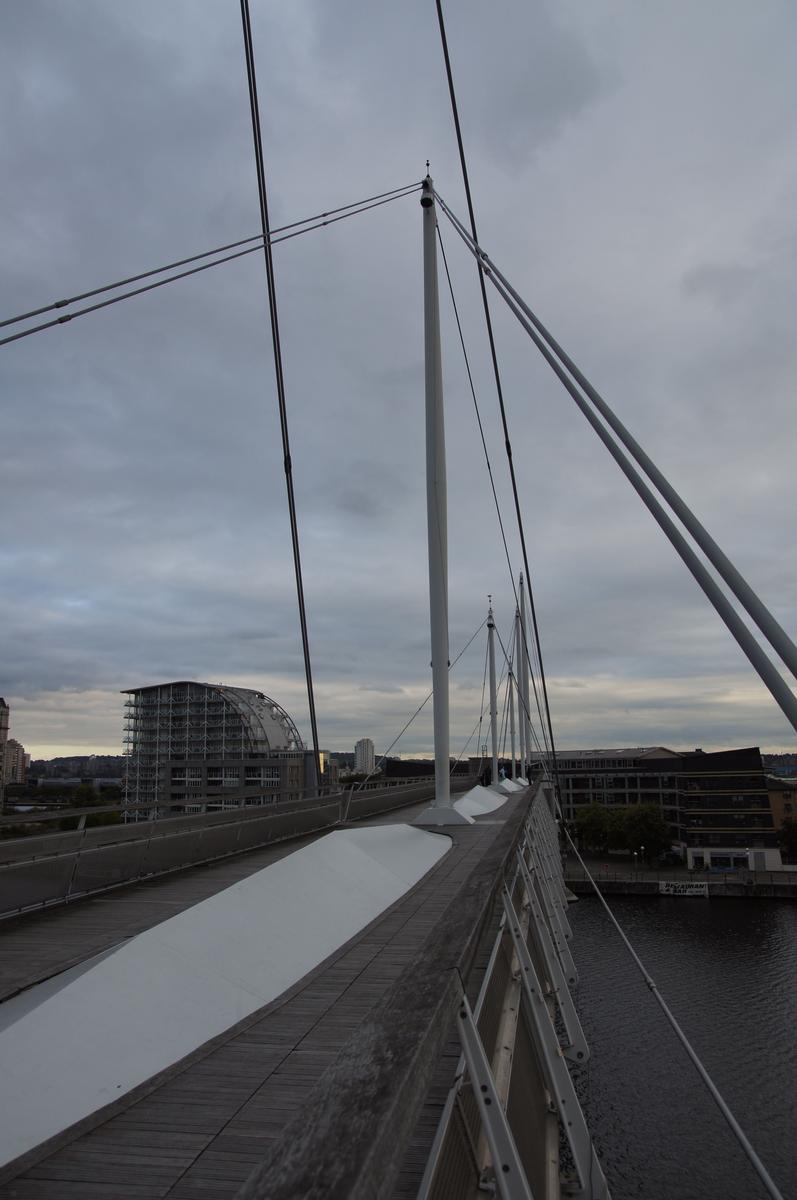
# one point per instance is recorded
(728, 970)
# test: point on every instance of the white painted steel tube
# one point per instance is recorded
(524, 677)
(436, 511)
(511, 698)
(771, 677)
(493, 695)
(521, 723)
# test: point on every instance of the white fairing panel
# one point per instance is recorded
(73, 1044)
(480, 800)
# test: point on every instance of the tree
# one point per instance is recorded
(645, 827)
(592, 826)
(787, 837)
(84, 796)
(627, 828)
(617, 828)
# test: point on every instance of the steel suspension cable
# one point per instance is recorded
(716, 1096)
(110, 287)
(505, 720)
(522, 704)
(497, 375)
(421, 706)
(481, 717)
(278, 369)
(486, 455)
(781, 692)
(476, 407)
(763, 618)
(475, 727)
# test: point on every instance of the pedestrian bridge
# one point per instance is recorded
(424, 1053)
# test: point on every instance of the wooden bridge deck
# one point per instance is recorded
(198, 1130)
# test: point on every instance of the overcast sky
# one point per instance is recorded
(634, 174)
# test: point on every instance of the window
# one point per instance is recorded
(264, 775)
(231, 777)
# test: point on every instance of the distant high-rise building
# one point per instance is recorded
(197, 746)
(4, 719)
(329, 767)
(364, 755)
(15, 762)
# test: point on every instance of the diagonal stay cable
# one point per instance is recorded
(716, 1096)
(771, 629)
(486, 454)
(476, 407)
(497, 374)
(771, 677)
(395, 194)
(522, 702)
(421, 707)
(257, 138)
(473, 731)
(81, 312)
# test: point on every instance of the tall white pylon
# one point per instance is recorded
(511, 698)
(523, 658)
(441, 811)
(493, 694)
(519, 668)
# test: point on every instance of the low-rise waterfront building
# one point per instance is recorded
(716, 804)
(782, 799)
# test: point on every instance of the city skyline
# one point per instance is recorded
(149, 538)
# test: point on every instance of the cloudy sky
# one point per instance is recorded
(634, 173)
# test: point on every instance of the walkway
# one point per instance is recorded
(197, 1131)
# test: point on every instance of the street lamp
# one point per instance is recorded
(642, 852)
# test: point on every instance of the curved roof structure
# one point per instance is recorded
(267, 726)
(267, 723)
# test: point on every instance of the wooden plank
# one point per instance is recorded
(216, 1119)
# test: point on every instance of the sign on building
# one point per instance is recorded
(683, 889)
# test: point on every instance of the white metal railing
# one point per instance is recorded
(484, 1140)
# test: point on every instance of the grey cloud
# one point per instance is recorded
(723, 283)
(146, 534)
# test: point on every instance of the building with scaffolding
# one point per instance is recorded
(195, 747)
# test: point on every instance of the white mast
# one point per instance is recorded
(441, 811)
(511, 698)
(520, 721)
(523, 658)
(493, 694)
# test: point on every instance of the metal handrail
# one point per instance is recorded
(54, 868)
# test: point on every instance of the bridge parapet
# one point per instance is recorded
(364, 1132)
(54, 868)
